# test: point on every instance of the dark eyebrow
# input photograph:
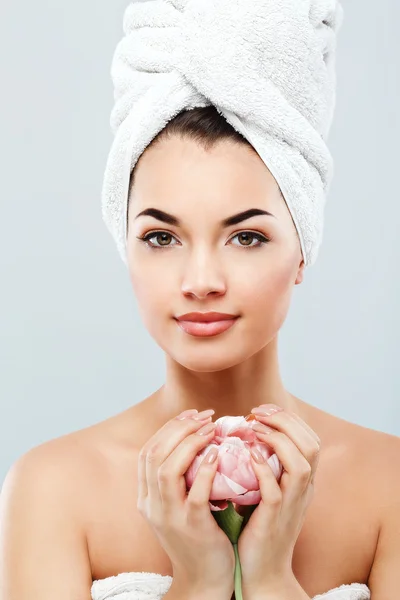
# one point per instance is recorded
(160, 215)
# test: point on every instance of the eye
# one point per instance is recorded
(156, 234)
(251, 234)
(164, 235)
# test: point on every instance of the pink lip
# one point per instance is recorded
(205, 317)
(204, 329)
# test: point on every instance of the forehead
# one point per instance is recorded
(179, 169)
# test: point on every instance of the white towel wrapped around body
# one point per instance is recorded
(268, 66)
(153, 586)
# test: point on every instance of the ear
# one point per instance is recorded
(300, 273)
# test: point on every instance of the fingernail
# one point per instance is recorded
(258, 457)
(206, 429)
(211, 456)
(204, 415)
(266, 410)
(187, 413)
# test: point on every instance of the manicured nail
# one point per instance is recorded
(266, 410)
(211, 456)
(258, 457)
(204, 415)
(206, 429)
(187, 413)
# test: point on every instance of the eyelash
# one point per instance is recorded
(145, 239)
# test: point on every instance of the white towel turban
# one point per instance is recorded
(268, 66)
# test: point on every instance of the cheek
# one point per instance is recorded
(153, 296)
(266, 293)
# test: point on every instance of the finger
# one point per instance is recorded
(267, 512)
(199, 494)
(142, 477)
(299, 458)
(296, 484)
(287, 415)
(171, 474)
(293, 429)
(306, 427)
(162, 448)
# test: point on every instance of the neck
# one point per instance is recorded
(231, 391)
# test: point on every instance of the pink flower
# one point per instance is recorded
(235, 479)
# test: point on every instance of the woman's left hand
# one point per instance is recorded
(267, 541)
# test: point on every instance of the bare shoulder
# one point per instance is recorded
(372, 456)
(380, 453)
(42, 503)
(378, 472)
(65, 461)
(54, 479)
(52, 500)
(334, 430)
(374, 450)
(82, 462)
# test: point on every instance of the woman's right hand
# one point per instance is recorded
(201, 554)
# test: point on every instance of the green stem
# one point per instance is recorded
(238, 575)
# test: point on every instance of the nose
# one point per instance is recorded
(203, 276)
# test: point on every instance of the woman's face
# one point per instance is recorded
(246, 269)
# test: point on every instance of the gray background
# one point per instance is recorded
(73, 348)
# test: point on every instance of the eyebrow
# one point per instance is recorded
(160, 215)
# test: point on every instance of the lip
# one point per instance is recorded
(207, 317)
(206, 328)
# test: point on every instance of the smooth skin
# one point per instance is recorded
(43, 548)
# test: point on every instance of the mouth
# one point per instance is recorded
(206, 317)
(206, 328)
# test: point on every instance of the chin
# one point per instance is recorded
(207, 359)
(207, 365)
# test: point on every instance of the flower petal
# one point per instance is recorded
(252, 497)
(218, 505)
(224, 488)
(226, 424)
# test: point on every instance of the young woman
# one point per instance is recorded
(109, 499)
